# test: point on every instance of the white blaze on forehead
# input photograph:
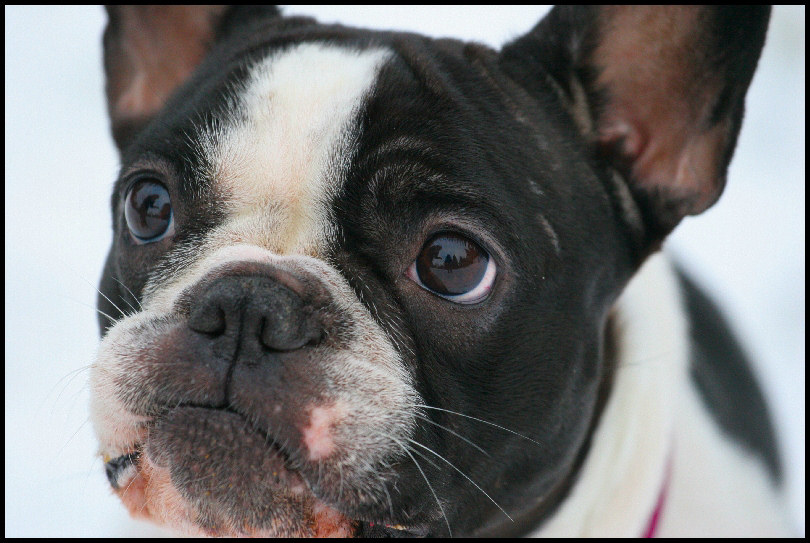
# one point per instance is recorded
(286, 151)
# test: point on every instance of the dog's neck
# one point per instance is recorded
(629, 448)
(632, 445)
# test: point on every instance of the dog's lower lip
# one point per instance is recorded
(117, 467)
(122, 470)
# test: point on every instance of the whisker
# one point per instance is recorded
(150, 498)
(70, 376)
(429, 461)
(464, 475)
(112, 320)
(479, 420)
(66, 443)
(378, 475)
(77, 395)
(85, 304)
(131, 482)
(426, 419)
(91, 471)
(132, 307)
(108, 299)
(340, 487)
(97, 290)
(131, 294)
(438, 502)
(381, 482)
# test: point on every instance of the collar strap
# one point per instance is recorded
(652, 525)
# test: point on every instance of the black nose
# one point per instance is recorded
(255, 309)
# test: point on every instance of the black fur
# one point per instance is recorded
(723, 375)
(500, 159)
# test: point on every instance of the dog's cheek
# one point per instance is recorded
(118, 431)
(117, 428)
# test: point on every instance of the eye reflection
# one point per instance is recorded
(148, 210)
(454, 267)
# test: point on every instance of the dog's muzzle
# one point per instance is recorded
(255, 406)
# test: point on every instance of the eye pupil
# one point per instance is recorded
(450, 264)
(148, 210)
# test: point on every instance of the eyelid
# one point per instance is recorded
(148, 167)
(129, 180)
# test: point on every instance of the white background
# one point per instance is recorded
(60, 164)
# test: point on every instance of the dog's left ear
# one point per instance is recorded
(149, 51)
(657, 91)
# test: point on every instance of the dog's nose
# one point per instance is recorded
(258, 309)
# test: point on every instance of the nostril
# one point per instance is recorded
(208, 319)
(314, 338)
(288, 334)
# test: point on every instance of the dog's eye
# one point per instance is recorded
(148, 210)
(455, 268)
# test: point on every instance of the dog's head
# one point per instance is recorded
(360, 281)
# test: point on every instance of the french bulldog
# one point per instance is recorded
(369, 283)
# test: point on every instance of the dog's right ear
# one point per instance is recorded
(657, 91)
(149, 51)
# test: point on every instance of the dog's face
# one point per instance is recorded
(360, 282)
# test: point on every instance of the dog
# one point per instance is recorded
(373, 284)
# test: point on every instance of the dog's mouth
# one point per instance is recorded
(207, 471)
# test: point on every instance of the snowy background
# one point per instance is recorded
(60, 164)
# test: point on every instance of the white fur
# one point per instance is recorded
(287, 147)
(717, 488)
(654, 415)
(280, 154)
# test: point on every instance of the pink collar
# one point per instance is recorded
(652, 525)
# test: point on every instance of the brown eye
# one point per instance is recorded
(148, 210)
(455, 268)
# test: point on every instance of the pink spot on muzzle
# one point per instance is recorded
(318, 435)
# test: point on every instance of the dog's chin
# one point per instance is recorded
(207, 472)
